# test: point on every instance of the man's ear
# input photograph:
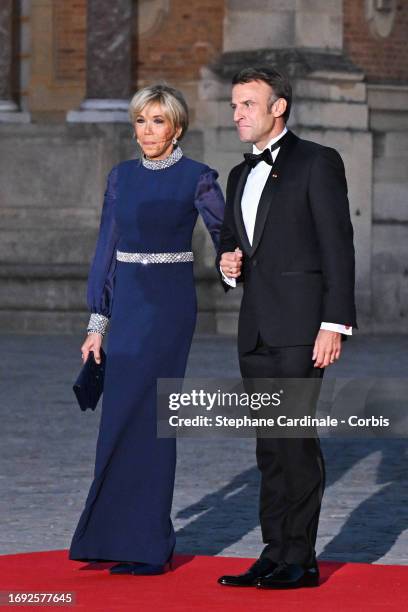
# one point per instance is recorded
(279, 107)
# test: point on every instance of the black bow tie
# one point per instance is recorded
(252, 159)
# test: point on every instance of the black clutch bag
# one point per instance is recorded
(88, 386)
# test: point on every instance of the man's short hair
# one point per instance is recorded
(277, 80)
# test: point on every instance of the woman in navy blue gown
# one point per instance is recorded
(141, 282)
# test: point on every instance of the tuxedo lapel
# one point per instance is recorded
(270, 189)
(239, 222)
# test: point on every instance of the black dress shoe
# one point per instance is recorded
(290, 576)
(260, 568)
(137, 569)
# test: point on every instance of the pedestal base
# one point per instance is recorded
(100, 111)
(10, 113)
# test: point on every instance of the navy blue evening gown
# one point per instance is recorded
(152, 315)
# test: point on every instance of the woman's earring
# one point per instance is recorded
(174, 141)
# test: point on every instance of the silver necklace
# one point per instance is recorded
(160, 164)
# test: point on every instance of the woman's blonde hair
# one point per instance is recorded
(172, 101)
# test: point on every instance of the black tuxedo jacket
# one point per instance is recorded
(299, 270)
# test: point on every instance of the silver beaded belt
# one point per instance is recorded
(156, 258)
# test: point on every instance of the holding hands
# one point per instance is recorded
(231, 263)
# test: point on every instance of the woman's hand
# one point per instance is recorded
(93, 343)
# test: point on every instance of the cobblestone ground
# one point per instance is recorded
(48, 444)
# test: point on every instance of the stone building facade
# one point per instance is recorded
(68, 69)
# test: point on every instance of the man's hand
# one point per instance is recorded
(327, 348)
(231, 263)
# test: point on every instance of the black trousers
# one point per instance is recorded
(292, 469)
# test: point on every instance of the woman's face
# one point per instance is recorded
(155, 132)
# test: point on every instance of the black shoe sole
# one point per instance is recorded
(245, 586)
(135, 573)
(296, 585)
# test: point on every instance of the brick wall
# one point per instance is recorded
(70, 40)
(190, 37)
(382, 59)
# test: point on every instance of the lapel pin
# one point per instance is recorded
(274, 176)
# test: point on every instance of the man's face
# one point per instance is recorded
(253, 117)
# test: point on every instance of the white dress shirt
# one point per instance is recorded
(254, 186)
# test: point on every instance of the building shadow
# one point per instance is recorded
(221, 519)
(374, 526)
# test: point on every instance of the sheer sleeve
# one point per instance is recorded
(210, 203)
(102, 270)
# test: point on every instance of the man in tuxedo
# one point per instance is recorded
(287, 236)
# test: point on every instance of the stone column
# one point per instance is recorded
(9, 110)
(108, 79)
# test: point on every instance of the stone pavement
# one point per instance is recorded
(47, 450)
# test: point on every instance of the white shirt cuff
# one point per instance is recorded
(336, 327)
(230, 281)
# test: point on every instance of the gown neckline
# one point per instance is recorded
(161, 164)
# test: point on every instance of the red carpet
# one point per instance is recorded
(192, 586)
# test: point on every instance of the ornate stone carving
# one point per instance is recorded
(380, 15)
(150, 15)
